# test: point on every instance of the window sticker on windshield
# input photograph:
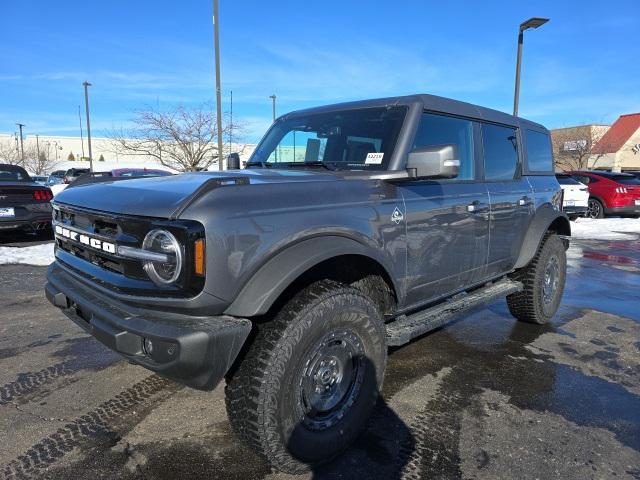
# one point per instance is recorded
(374, 158)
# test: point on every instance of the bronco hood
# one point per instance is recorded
(167, 197)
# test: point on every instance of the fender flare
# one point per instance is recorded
(272, 278)
(545, 216)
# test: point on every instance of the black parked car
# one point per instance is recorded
(24, 204)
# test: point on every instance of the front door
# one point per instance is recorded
(447, 220)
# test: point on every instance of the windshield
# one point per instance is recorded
(361, 139)
(13, 173)
(625, 179)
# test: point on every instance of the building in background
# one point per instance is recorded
(615, 147)
(573, 146)
(70, 152)
(619, 147)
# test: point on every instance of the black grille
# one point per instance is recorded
(124, 275)
(107, 227)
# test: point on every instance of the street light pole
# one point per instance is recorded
(38, 146)
(81, 139)
(86, 106)
(534, 22)
(273, 115)
(20, 125)
(216, 41)
(273, 100)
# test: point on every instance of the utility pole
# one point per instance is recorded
(86, 105)
(81, 139)
(273, 108)
(273, 99)
(20, 125)
(216, 41)
(231, 124)
(534, 22)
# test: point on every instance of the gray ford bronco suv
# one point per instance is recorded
(353, 227)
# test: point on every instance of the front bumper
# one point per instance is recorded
(195, 351)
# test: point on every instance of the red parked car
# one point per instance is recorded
(610, 193)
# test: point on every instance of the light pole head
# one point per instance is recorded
(86, 84)
(534, 22)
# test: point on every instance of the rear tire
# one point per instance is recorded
(543, 281)
(311, 378)
(595, 208)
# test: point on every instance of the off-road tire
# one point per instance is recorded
(262, 394)
(529, 304)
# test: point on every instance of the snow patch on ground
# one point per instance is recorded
(605, 228)
(35, 255)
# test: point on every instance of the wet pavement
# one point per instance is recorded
(485, 397)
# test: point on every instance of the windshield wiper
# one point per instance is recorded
(261, 163)
(328, 165)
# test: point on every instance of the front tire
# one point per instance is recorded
(543, 283)
(311, 378)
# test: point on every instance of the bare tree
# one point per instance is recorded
(37, 164)
(578, 148)
(180, 138)
(9, 153)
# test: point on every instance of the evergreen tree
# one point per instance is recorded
(71, 157)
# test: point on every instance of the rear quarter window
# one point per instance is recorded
(538, 147)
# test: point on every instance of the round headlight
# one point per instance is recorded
(164, 270)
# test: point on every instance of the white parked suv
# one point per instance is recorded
(576, 196)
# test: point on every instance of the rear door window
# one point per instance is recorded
(500, 152)
(539, 156)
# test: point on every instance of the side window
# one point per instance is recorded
(539, 156)
(500, 152)
(442, 130)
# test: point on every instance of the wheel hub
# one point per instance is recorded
(551, 279)
(593, 209)
(331, 379)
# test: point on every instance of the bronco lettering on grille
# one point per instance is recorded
(85, 239)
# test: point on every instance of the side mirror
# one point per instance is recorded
(434, 161)
(233, 161)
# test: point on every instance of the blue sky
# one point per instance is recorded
(582, 66)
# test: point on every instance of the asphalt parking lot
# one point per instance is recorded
(485, 397)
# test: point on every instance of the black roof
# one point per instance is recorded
(428, 102)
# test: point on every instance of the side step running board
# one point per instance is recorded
(405, 328)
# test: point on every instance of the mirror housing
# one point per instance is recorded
(233, 161)
(434, 161)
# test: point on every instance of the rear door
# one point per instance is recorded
(510, 196)
(447, 220)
